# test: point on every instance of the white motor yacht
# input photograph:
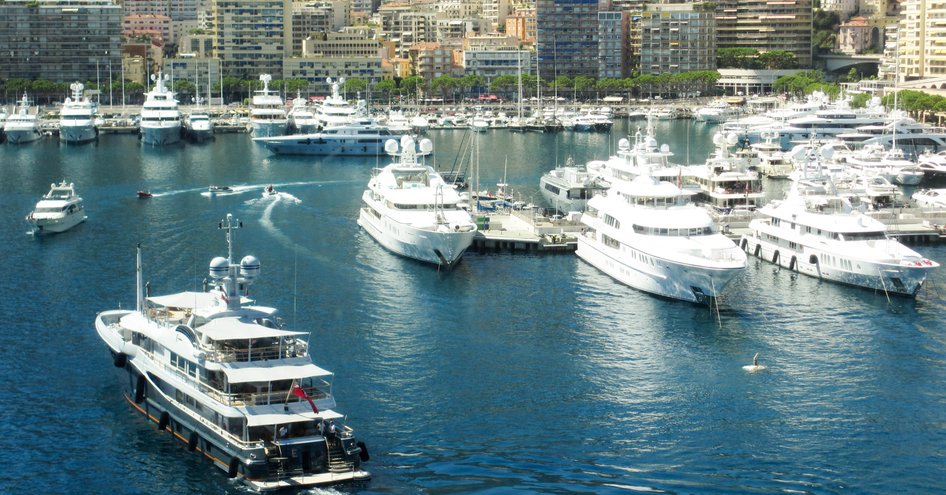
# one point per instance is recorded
(930, 198)
(198, 126)
(819, 233)
(569, 188)
(648, 235)
(410, 210)
(77, 118)
(364, 137)
(22, 126)
(267, 111)
(302, 119)
(160, 118)
(222, 375)
(335, 110)
(58, 210)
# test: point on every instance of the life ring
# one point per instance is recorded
(120, 359)
(163, 421)
(192, 441)
(364, 452)
(140, 389)
(234, 467)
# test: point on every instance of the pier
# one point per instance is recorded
(525, 231)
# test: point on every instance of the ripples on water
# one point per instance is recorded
(510, 374)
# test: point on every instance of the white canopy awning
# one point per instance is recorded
(190, 300)
(269, 371)
(233, 328)
(274, 415)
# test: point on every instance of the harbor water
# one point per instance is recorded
(512, 373)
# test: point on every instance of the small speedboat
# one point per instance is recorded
(269, 191)
(220, 189)
(144, 194)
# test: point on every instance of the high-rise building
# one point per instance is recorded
(60, 40)
(251, 37)
(613, 44)
(922, 39)
(766, 25)
(677, 38)
(567, 38)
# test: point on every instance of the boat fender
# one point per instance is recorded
(120, 359)
(364, 452)
(140, 389)
(163, 421)
(192, 442)
(234, 467)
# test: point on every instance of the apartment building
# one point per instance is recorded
(677, 38)
(766, 26)
(352, 52)
(567, 38)
(60, 40)
(252, 37)
(922, 39)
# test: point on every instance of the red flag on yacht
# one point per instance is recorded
(298, 392)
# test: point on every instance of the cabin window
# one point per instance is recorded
(613, 222)
(611, 243)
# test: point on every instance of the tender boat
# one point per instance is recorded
(77, 118)
(219, 189)
(267, 111)
(817, 232)
(569, 188)
(222, 375)
(410, 210)
(198, 127)
(160, 118)
(364, 137)
(269, 191)
(145, 194)
(59, 210)
(22, 125)
(648, 235)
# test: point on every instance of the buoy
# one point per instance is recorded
(164, 420)
(120, 359)
(234, 467)
(140, 389)
(755, 366)
(364, 452)
(192, 442)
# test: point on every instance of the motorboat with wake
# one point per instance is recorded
(410, 210)
(223, 375)
(58, 210)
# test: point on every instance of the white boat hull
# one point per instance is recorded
(441, 246)
(22, 136)
(269, 128)
(316, 144)
(902, 279)
(76, 134)
(663, 278)
(160, 136)
(54, 224)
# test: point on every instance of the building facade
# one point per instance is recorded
(60, 40)
(677, 38)
(766, 26)
(613, 45)
(922, 39)
(252, 37)
(567, 38)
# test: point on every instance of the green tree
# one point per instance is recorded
(778, 59)
(353, 86)
(386, 87)
(737, 58)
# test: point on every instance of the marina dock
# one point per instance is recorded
(525, 231)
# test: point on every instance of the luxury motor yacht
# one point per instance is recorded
(335, 110)
(817, 232)
(302, 119)
(198, 126)
(22, 126)
(58, 210)
(410, 210)
(160, 118)
(648, 235)
(223, 376)
(364, 137)
(77, 118)
(267, 111)
(569, 188)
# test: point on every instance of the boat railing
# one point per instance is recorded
(267, 398)
(229, 355)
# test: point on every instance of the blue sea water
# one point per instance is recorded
(513, 373)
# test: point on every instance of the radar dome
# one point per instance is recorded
(665, 148)
(426, 145)
(249, 267)
(827, 152)
(717, 139)
(390, 146)
(406, 142)
(219, 267)
(624, 144)
(732, 138)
